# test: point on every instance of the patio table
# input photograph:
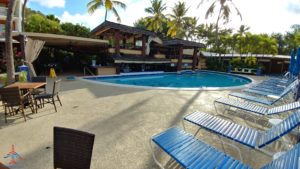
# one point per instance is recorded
(27, 85)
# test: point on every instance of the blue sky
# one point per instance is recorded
(263, 16)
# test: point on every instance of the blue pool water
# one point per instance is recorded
(199, 79)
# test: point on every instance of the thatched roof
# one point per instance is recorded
(185, 43)
(106, 25)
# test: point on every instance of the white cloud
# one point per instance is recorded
(265, 16)
(51, 3)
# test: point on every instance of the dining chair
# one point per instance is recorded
(72, 148)
(50, 97)
(14, 102)
(42, 79)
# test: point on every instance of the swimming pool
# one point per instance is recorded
(185, 80)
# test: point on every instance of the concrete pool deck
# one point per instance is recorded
(123, 120)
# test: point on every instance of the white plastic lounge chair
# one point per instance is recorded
(193, 153)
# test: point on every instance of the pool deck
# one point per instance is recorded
(123, 120)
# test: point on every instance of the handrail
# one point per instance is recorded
(86, 69)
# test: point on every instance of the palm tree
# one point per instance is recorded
(223, 13)
(8, 42)
(109, 5)
(155, 22)
(177, 20)
(191, 28)
(240, 35)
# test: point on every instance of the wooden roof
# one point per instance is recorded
(185, 43)
(107, 25)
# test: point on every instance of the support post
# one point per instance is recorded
(143, 45)
(22, 46)
(117, 42)
(179, 63)
(194, 59)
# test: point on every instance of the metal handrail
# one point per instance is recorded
(86, 69)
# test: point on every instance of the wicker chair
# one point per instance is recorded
(42, 89)
(50, 97)
(72, 148)
(14, 102)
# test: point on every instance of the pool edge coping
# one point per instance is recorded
(174, 88)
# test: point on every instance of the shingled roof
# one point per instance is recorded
(186, 43)
(122, 28)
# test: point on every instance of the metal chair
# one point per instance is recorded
(42, 89)
(72, 148)
(50, 97)
(12, 98)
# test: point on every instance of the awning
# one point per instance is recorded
(63, 40)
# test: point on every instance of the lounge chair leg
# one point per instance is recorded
(216, 108)
(154, 157)
(182, 121)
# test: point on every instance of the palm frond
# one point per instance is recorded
(119, 4)
(210, 10)
(116, 14)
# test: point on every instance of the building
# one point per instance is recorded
(272, 64)
(133, 50)
(17, 18)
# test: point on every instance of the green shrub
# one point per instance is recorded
(236, 62)
(250, 62)
(215, 64)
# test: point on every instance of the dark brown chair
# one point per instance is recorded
(72, 148)
(14, 102)
(50, 97)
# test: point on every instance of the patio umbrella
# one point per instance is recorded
(292, 61)
(297, 64)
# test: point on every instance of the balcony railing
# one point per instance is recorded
(3, 11)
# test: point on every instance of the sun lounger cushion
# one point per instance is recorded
(192, 153)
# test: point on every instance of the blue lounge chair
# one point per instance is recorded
(193, 153)
(272, 91)
(244, 135)
(257, 109)
(264, 100)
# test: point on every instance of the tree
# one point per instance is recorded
(191, 29)
(8, 42)
(155, 21)
(39, 23)
(178, 20)
(75, 30)
(109, 5)
(223, 13)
